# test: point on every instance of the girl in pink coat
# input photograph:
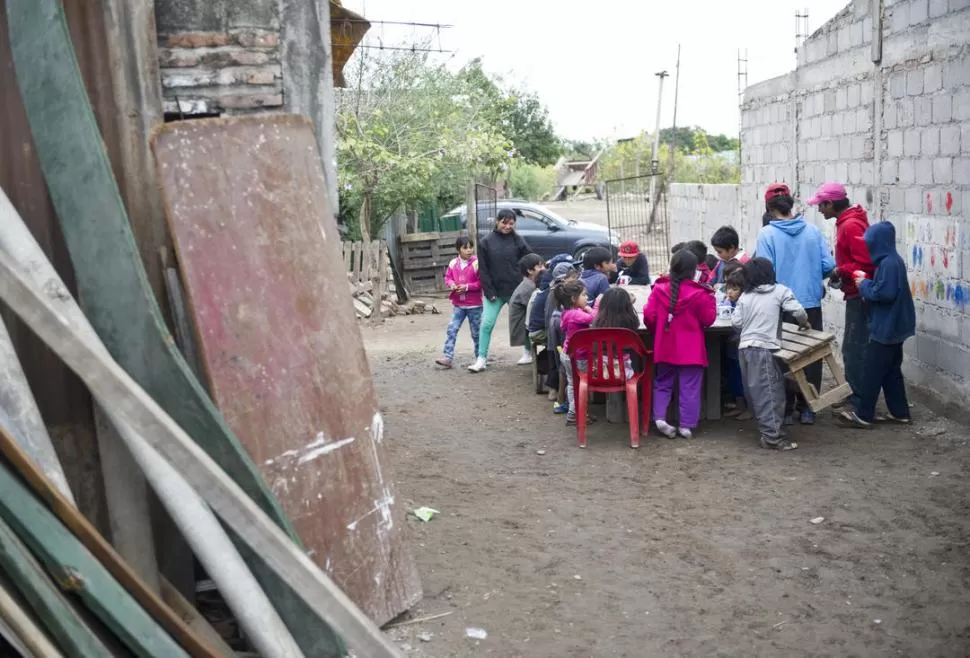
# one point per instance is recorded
(677, 312)
(463, 281)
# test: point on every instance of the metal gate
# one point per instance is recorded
(486, 204)
(630, 215)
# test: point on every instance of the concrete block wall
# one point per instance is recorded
(880, 101)
(696, 211)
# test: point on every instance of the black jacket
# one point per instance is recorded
(498, 263)
(639, 272)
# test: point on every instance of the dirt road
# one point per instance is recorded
(702, 547)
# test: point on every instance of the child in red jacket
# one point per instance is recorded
(678, 311)
(463, 281)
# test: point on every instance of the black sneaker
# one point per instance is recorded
(851, 419)
(590, 419)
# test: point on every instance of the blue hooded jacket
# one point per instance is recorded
(892, 315)
(800, 255)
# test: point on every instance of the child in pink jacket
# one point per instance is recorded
(462, 280)
(677, 312)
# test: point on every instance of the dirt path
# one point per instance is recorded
(700, 547)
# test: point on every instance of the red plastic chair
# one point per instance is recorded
(607, 347)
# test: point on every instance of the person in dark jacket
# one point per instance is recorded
(498, 267)
(892, 319)
(633, 265)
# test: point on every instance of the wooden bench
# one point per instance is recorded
(800, 349)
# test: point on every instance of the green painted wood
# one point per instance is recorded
(50, 606)
(112, 282)
(77, 571)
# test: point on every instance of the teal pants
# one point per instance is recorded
(489, 316)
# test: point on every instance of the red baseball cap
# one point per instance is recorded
(629, 249)
(776, 189)
(830, 191)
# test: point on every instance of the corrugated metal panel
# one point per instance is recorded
(63, 399)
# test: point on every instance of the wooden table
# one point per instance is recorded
(714, 339)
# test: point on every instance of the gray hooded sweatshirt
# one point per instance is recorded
(758, 315)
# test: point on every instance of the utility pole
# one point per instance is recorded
(655, 158)
(670, 167)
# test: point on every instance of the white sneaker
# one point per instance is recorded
(526, 358)
(685, 433)
(478, 366)
(666, 429)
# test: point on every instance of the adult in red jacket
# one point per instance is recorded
(851, 255)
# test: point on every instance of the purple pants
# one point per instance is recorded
(689, 381)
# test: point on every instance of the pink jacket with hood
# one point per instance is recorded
(456, 275)
(681, 343)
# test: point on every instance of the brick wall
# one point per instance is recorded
(887, 112)
(219, 56)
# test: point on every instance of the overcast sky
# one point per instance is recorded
(593, 66)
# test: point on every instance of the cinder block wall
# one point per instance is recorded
(696, 211)
(880, 100)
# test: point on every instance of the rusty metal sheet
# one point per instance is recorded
(260, 256)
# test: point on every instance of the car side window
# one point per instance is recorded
(528, 220)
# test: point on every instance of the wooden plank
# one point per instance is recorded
(836, 368)
(831, 397)
(807, 389)
(77, 571)
(785, 355)
(110, 274)
(50, 606)
(419, 237)
(809, 357)
(820, 335)
(26, 631)
(380, 281)
(802, 341)
(209, 540)
(257, 532)
(92, 540)
(265, 311)
(194, 619)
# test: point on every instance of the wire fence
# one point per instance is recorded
(630, 215)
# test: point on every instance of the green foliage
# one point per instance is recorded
(413, 132)
(698, 162)
(684, 139)
(531, 182)
(410, 128)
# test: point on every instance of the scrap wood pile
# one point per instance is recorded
(273, 475)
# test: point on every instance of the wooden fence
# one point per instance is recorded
(367, 274)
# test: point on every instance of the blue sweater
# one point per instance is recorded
(596, 283)
(892, 315)
(800, 255)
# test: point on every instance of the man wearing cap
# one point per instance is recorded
(633, 265)
(851, 255)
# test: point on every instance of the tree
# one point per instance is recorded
(408, 125)
(517, 114)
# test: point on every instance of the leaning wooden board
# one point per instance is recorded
(92, 540)
(112, 282)
(77, 571)
(800, 349)
(260, 256)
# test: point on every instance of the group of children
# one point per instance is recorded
(557, 299)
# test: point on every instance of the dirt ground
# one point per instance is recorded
(702, 547)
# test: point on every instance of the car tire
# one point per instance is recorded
(580, 252)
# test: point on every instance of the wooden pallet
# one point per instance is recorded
(800, 349)
(424, 257)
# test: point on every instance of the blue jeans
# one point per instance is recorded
(854, 343)
(883, 372)
(458, 315)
